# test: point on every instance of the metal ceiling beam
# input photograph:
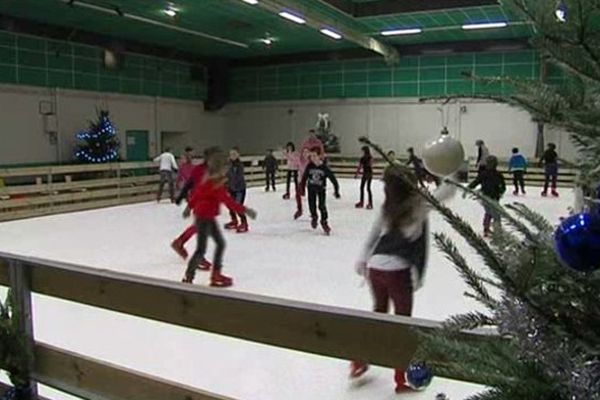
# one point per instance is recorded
(386, 7)
(318, 21)
(120, 13)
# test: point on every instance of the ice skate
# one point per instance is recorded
(515, 192)
(400, 381)
(233, 224)
(177, 246)
(286, 196)
(298, 214)
(242, 228)
(326, 228)
(554, 193)
(544, 193)
(187, 279)
(219, 280)
(205, 265)
(313, 223)
(370, 206)
(358, 369)
(360, 204)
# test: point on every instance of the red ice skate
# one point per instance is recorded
(360, 204)
(218, 280)
(233, 224)
(177, 246)
(554, 193)
(297, 214)
(370, 206)
(204, 265)
(242, 228)
(358, 369)
(326, 228)
(400, 380)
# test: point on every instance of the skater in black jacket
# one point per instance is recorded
(315, 178)
(493, 186)
(270, 167)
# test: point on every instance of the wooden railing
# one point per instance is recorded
(317, 329)
(345, 167)
(36, 191)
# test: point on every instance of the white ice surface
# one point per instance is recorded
(279, 257)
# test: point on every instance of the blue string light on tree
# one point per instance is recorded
(561, 12)
(418, 375)
(99, 143)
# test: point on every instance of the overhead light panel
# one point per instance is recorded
(267, 41)
(485, 25)
(396, 32)
(253, 2)
(292, 17)
(332, 34)
(171, 10)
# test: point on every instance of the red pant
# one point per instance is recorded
(392, 285)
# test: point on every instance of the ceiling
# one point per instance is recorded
(242, 25)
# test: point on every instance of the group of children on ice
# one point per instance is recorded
(394, 257)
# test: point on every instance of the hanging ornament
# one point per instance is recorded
(577, 242)
(561, 11)
(444, 155)
(418, 375)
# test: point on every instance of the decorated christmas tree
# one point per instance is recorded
(539, 293)
(99, 143)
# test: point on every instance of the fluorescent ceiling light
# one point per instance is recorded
(485, 25)
(395, 32)
(170, 12)
(292, 17)
(331, 34)
(253, 2)
(267, 41)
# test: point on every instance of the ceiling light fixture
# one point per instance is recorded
(171, 10)
(252, 2)
(292, 17)
(396, 32)
(485, 25)
(267, 41)
(561, 12)
(331, 33)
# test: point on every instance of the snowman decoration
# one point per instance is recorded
(324, 133)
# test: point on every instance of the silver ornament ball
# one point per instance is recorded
(443, 156)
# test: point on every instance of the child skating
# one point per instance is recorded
(493, 186)
(236, 184)
(292, 160)
(550, 162)
(270, 167)
(394, 257)
(518, 167)
(311, 142)
(366, 166)
(197, 175)
(205, 201)
(315, 179)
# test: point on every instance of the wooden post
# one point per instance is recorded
(20, 283)
(50, 190)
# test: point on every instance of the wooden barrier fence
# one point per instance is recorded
(36, 191)
(317, 329)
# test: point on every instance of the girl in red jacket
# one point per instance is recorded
(205, 202)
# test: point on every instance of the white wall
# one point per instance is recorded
(393, 123)
(23, 139)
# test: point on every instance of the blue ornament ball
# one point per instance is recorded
(418, 375)
(577, 242)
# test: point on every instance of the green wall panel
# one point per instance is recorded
(36, 61)
(431, 75)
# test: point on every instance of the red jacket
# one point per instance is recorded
(207, 198)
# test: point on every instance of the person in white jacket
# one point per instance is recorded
(168, 168)
(394, 257)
